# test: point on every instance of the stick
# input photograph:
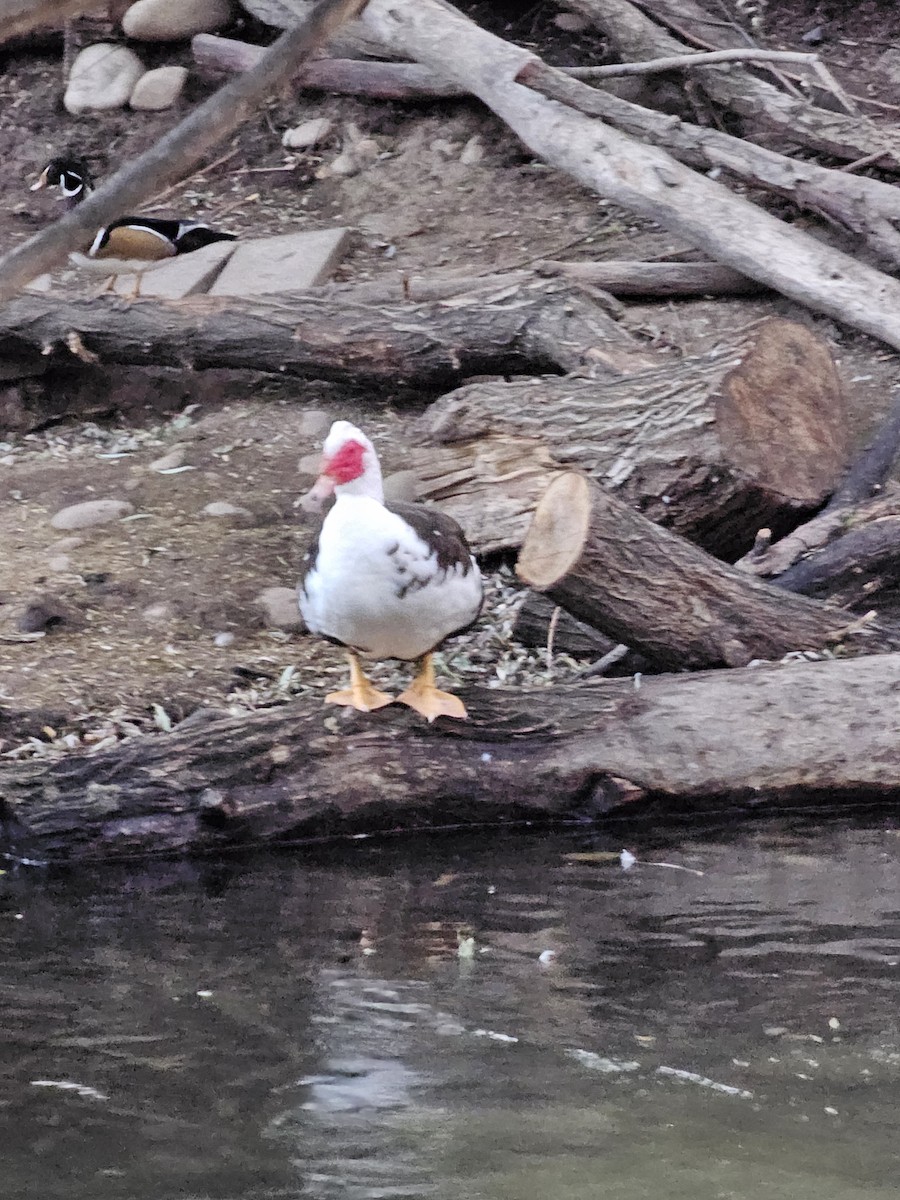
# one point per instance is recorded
(179, 151)
(679, 62)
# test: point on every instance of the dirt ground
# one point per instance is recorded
(130, 627)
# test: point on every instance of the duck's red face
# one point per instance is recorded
(346, 463)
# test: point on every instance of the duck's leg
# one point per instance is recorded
(430, 701)
(361, 693)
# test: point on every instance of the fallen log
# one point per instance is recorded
(767, 734)
(640, 177)
(652, 590)
(636, 36)
(713, 446)
(629, 278)
(333, 334)
(346, 76)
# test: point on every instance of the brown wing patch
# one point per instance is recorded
(131, 241)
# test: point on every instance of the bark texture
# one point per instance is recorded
(646, 587)
(333, 334)
(771, 733)
(712, 446)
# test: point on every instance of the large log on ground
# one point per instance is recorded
(330, 334)
(714, 446)
(771, 733)
(652, 590)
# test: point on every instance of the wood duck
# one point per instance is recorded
(127, 244)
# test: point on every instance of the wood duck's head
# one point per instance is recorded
(71, 175)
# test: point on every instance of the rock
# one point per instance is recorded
(279, 605)
(358, 153)
(59, 563)
(66, 545)
(571, 22)
(402, 487)
(42, 615)
(102, 77)
(223, 640)
(224, 508)
(173, 20)
(313, 423)
(91, 512)
(309, 465)
(309, 133)
(158, 613)
(159, 88)
(889, 65)
(168, 462)
(472, 152)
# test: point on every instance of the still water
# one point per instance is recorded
(304, 1025)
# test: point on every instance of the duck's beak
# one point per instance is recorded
(41, 182)
(318, 494)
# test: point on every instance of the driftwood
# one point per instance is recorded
(640, 177)
(335, 334)
(624, 278)
(175, 154)
(768, 733)
(648, 588)
(867, 207)
(351, 42)
(713, 446)
(636, 36)
(348, 76)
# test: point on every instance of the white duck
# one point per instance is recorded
(390, 581)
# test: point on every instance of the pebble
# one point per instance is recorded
(158, 612)
(41, 615)
(309, 465)
(224, 508)
(158, 89)
(280, 607)
(222, 640)
(90, 512)
(472, 152)
(571, 22)
(174, 20)
(59, 562)
(402, 487)
(174, 458)
(313, 423)
(309, 133)
(103, 76)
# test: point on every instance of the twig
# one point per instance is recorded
(862, 162)
(677, 62)
(154, 201)
(551, 634)
(602, 665)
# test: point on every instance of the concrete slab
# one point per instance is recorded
(289, 262)
(185, 275)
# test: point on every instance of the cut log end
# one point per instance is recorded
(558, 532)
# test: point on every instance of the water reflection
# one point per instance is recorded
(293, 1027)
